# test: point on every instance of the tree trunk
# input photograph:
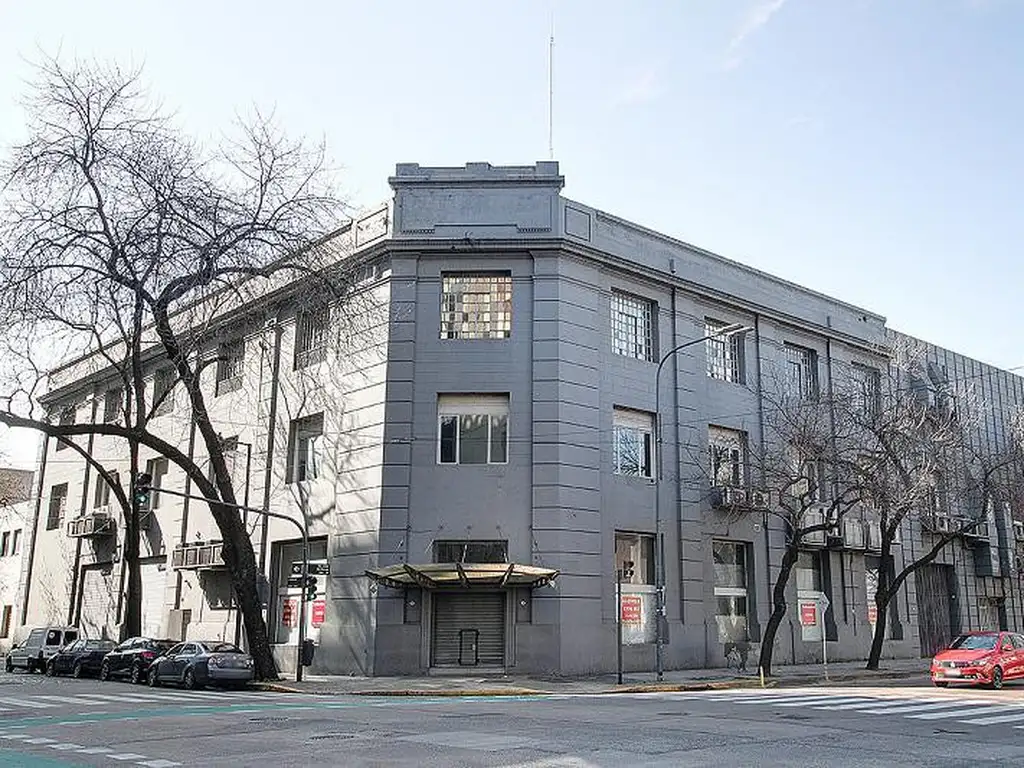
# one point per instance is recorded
(789, 559)
(883, 594)
(131, 624)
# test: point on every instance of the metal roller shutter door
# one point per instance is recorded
(482, 611)
(152, 599)
(99, 604)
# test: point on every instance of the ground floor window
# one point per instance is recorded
(634, 557)
(730, 561)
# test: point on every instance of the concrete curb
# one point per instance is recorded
(715, 685)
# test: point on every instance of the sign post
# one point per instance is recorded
(618, 620)
(823, 604)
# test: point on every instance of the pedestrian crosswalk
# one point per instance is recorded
(1006, 708)
(109, 697)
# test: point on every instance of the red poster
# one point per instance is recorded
(631, 609)
(808, 614)
(319, 612)
(288, 613)
(872, 614)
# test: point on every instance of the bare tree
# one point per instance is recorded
(123, 240)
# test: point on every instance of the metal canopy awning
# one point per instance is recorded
(462, 575)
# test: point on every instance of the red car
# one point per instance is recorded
(987, 658)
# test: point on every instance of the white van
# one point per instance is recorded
(39, 646)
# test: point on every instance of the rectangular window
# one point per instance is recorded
(725, 360)
(632, 326)
(633, 443)
(65, 419)
(470, 551)
(808, 572)
(163, 391)
(472, 429)
(101, 497)
(229, 446)
(306, 453)
(801, 372)
(867, 392)
(727, 456)
(730, 562)
(15, 541)
(311, 337)
(634, 557)
(58, 501)
(230, 358)
(5, 543)
(5, 621)
(157, 469)
(113, 403)
(476, 306)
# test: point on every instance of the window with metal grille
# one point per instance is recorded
(632, 326)
(469, 551)
(230, 358)
(311, 337)
(727, 449)
(476, 306)
(801, 372)
(867, 392)
(633, 443)
(113, 401)
(306, 454)
(724, 354)
(634, 557)
(472, 429)
(730, 563)
(156, 469)
(163, 391)
(58, 502)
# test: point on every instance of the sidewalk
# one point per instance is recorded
(633, 682)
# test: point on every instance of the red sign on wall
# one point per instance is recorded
(872, 614)
(631, 609)
(319, 612)
(808, 614)
(288, 613)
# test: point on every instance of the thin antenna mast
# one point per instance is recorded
(551, 87)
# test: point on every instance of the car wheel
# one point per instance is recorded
(77, 671)
(50, 670)
(997, 678)
(940, 683)
(137, 676)
(8, 664)
(151, 678)
(190, 681)
(104, 671)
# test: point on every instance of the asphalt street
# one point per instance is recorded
(45, 722)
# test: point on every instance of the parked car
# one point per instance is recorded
(7, 659)
(39, 646)
(986, 658)
(132, 658)
(80, 658)
(194, 664)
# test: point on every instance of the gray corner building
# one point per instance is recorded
(477, 458)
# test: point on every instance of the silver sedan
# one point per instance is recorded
(195, 663)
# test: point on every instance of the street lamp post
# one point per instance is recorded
(659, 553)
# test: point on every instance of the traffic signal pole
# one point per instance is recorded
(303, 527)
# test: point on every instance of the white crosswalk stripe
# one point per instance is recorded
(26, 703)
(144, 698)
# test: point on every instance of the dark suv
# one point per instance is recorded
(132, 658)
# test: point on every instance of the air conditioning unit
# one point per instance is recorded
(95, 523)
(853, 534)
(759, 499)
(942, 524)
(199, 555)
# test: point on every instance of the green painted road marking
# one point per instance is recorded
(24, 760)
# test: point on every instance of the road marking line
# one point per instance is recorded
(869, 702)
(966, 712)
(997, 719)
(18, 736)
(63, 747)
(68, 700)
(40, 740)
(106, 698)
(777, 701)
(26, 703)
(94, 750)
(127, 756)
(159, 764)
(821, 704)
(898, 709)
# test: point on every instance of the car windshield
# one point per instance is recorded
(221, 648)
(160, 645)
(98, 645)
(974, 643)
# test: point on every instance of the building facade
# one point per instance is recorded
(15, 508)
(473, 439)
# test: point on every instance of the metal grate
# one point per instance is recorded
(724, 355)
(310, 338)
(632, 328)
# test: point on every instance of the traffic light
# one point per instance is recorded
(143, 484)
(309, 591)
